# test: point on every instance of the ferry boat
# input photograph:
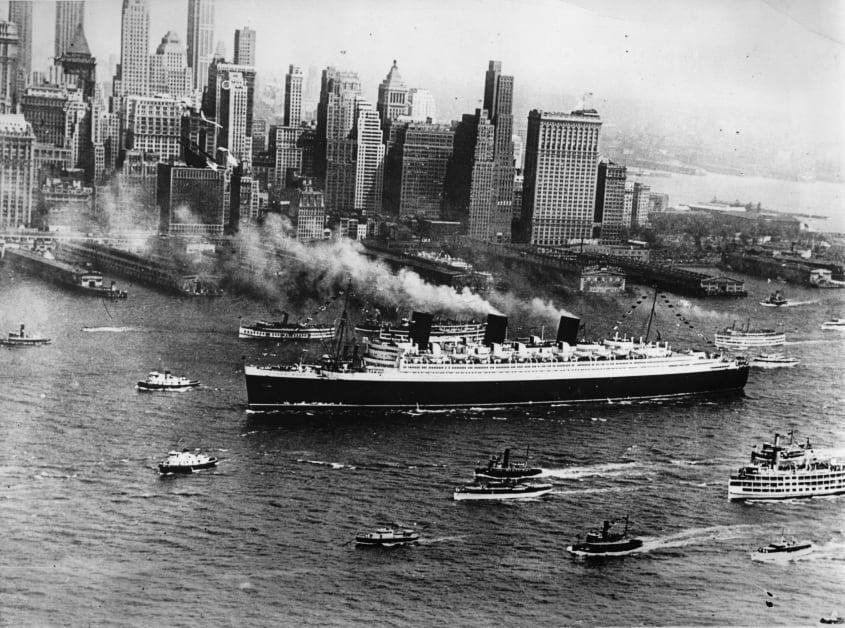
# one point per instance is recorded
(23, 339)
(834, 324)
(605, 542)
(424, 373)
(503, 468)
(785, 550)
(500, 489)
(774, 361)
(740, 339)
(166, 381)
(284, 330)
(388, 537)
(91, 282)
(775, 299)
(185, 461)
(471, 330)
(787, 472)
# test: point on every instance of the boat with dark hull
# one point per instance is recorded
(775, 299)
(387, 537)
(285, 330)
(605, 542)
(785, 550)
(185, 461)
(23, 339)
(501, 490)
(504, 468)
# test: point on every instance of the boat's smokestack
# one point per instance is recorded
(22, 328)
(284, 318)
(776, 450)
(567, 330)
(506, 458)
(419, 329)
(497, 327)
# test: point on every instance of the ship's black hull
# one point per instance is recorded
(268, 393)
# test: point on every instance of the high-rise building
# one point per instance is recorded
(628, 205)
(77, 61)
(610, 202)
(260, 128)
(369, 159)
(70, 14)
(169, 71)
(20, 12)
(285, 144)
(44, 107)
(8, 66)
(153, 125)
(16, 176)
(310, 213)
(498, 102)
(228, 100)
(561, 162)
(392, 96)
(245, 46)
(640, 204)
(191, 200)
(293, 96)
(200, 41)
(421, 106)
(335, 151)
(425, 153)
(133, 74)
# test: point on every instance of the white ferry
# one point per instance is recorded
(501, 490)
(740, 339)
(773, 361)
(166, 381)
(285, 330)
(787, 472)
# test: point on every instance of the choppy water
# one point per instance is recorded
(92, 534)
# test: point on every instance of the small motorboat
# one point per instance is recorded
(833, 618)
(501, 489)
(185, 461)
(834, 324)
(785, 550)
(773, 361)
(23, 339)
(605, 542)
(503, 468)
(388, 537)
(166, 381)
(775, 299)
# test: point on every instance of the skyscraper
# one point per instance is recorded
(310, 214)
(498, 102)
(245, 46)
(153, 125)
(134, 69)
(69, 15)
(16, 175)
(470, 189)
(640, 204)
(335, 119)
(561, 159)
(425, 153)
(421, 105)
(8, 66)
(392, 96)
(200, 41)
(228, 100)
(610, 202)
(77, 61)
(293, 96)
(20, 12)
(169, 71)
(369, 159)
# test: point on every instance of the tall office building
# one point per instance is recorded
(169, 71)
(44, 107)
(16, 176)
(286, 146)
(154, 125)
(200, 42)
(561, 161)
(421, 106)
(335, 119)
(8, 66)
(425, 153)
(133, 74)
(628, 205)
(310, 214)
(369, 159)
(191, 200)
(392, 96)
(77, 61)
(293, 96)
(69, 15)
(640, 204)
(20, 12)
(498, 102)
(245, 46)
(610, 203)
(228, 100)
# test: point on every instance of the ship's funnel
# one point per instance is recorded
(567, 331)
(506, 458)
(284, 318)
(497, 326)
(22, 328)
(419, 329)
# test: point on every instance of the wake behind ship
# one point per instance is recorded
(459, 373)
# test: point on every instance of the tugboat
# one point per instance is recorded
(785, 550)
(388, 537)
(775, 299)
(606, 543)
(501, 489)
(166, 381)
(773, 361)
(185, 462)
(502, 468)
(22, 339)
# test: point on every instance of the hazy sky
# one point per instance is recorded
(781, 58)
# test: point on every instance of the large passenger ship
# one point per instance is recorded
(471, 330)
(458, 373)
(787, 472)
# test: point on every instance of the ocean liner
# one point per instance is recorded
(458, 373)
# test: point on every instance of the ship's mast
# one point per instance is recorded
(651, 315)
(342, 325)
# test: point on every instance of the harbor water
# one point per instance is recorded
(93, 535)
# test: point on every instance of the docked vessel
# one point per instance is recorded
(605, 542)
(471, 330)
(740, 339)
(785, 550)
(500, 490)
(166, 381)
(387, 537)
(787, 472)
(423, 373)
(185, 461)
(85, 280)
(23, 339)
(91, 282)
(775, 299)
(504, 468)
(834, 324)
(774, 361)
(284, 330)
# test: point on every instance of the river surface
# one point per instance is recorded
(92, 535)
